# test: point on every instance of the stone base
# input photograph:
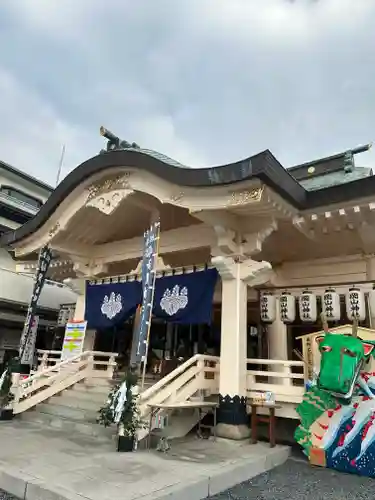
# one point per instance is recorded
(232, 418)
(235, 432)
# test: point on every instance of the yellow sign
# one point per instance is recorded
(73, 340)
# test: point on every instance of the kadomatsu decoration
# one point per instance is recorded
(337, 428)
(122, 409)
(6, 396)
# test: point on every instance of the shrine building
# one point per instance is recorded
(250, 253)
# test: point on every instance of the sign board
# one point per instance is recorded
(28, 351)
(263, 398)
(73, 340)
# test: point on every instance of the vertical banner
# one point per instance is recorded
(28, 353)
(44, 262)
(74, 338)
(149, 259)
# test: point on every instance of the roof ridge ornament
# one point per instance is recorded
(348, 162)
(115, 143)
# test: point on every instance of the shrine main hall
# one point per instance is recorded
(249, 255)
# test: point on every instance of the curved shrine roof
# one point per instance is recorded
(263, 166)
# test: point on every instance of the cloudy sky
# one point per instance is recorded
(203, 81)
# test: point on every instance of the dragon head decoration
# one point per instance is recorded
(342, 359)
(337, 414)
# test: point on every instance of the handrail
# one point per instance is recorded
(53, 368)
(18, 202)
(257, 361)
(51, 380)
(57, 366)
(177, 371)
(47, 351)
(96, 353)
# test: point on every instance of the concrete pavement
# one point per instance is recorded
(37, 463)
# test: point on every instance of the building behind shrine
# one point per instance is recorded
(21, 197)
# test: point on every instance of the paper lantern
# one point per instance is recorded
(355, 304)
(308, 306)
(371, 301)
(287, 307)
(268, 307)
(331, 305)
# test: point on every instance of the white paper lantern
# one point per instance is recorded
(371, 301)
(355, 304)
(331, 305)
(287, 307)
(268, 307)
(308, 307)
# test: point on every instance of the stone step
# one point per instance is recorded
(90, 387)
(87, 393)
(74, 400)
(69, 425)
(79, 414)
(97, 397)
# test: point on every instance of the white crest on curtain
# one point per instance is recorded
(175, 300)
(111, 305)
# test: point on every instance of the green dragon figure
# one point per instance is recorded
(338, 413)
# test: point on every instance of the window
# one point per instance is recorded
(18, 195)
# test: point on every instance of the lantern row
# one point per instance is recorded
(308, 310)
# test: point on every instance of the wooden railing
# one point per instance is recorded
(47, 382)
(197, 376)
(285, 379)
(102, 361)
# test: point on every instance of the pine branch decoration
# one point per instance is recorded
(130, 420)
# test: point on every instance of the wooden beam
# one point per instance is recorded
(175, 240)
(221, 218)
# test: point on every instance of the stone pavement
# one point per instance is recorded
(298, 480)
(43, 464)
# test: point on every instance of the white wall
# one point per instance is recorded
(16, 287)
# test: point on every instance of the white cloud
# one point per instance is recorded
(32, 133)
(203, 81)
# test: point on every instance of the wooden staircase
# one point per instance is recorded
(68, 395)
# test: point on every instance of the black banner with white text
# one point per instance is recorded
(149, 259)
(44, 262)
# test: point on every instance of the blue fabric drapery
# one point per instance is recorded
(111, 304)
(185, 298)
(182, 298)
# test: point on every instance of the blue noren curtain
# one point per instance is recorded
(111, 304)
(185, 298)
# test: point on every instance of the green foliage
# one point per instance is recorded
(130, 420)
(6, 397)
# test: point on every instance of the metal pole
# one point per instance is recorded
(60, 165)
(367, 298)
(152, 302)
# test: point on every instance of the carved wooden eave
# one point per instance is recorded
(358, 218)
(74, 229)
(253, 273)
(59, 269)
